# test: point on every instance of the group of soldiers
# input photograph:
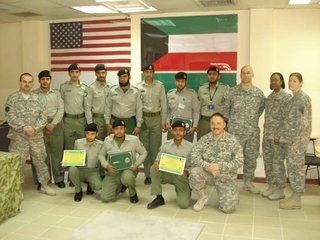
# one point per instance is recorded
(104, 120)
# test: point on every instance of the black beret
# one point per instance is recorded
(123, 71)
(213, 68)
(100, 67)
(148, 67)
(44, 73)
(181, 75)
(178, 124)
(73, 67)
(91, 127)
(118, 122)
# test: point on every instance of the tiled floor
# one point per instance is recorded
(45, 218)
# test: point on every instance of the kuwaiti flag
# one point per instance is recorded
(191, 44)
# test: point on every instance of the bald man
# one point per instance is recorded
(243, 106)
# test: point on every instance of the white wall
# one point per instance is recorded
(268, 39)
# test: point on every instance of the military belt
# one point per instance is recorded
(151, 114)
(74, 116)
(98, 115)
(114, 117)
(205, 118)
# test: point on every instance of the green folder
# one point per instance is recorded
(121, 160)
(188, 122)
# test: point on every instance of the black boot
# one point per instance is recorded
(134, 198)
(78, 197)
(89, 190)
(157, 202)
(147, 181)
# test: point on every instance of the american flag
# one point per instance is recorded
(88, 43)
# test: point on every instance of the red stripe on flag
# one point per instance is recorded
(121, 36)
(226, 61)
(91, 61)
(106, 29)
(107, 21)
(101, 45)
(87, 69)
(70, 54)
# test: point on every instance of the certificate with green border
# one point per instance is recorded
(74, 158)
(121, 160)
(172, 163)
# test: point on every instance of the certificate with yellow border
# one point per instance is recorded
(74, 158)
(172, 163)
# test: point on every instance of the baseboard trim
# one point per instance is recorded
(263, 180)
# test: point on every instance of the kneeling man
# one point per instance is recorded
(120, 142)
(215, 160)
(90, 173)
(179, 147)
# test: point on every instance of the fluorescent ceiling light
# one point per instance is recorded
(136, 9)
(101, 1)
(299, 1)
(94, 9)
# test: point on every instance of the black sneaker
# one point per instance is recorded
(61, 184)
(89, 190)
(157, 202)
(147, 181)
(134, 198)
(78, 197)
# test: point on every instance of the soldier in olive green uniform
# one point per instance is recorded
(100, 91)
(124, 101)
(154, 116)
(53, 134)
(210, 96)
(179, 147)
(89, 174)
(183, 103)
(26, 118)
(77, 101)
(117, 143)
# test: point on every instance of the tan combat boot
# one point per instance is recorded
(293, 202)
(202, 201)
(47, 190)
(271, 189)
(248, 186)
(277, 194)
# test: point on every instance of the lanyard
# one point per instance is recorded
(211, 97)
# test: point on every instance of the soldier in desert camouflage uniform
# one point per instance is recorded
(26, 118)
(273, 151)
(215, 160)
(243, 107)
(295, 133)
